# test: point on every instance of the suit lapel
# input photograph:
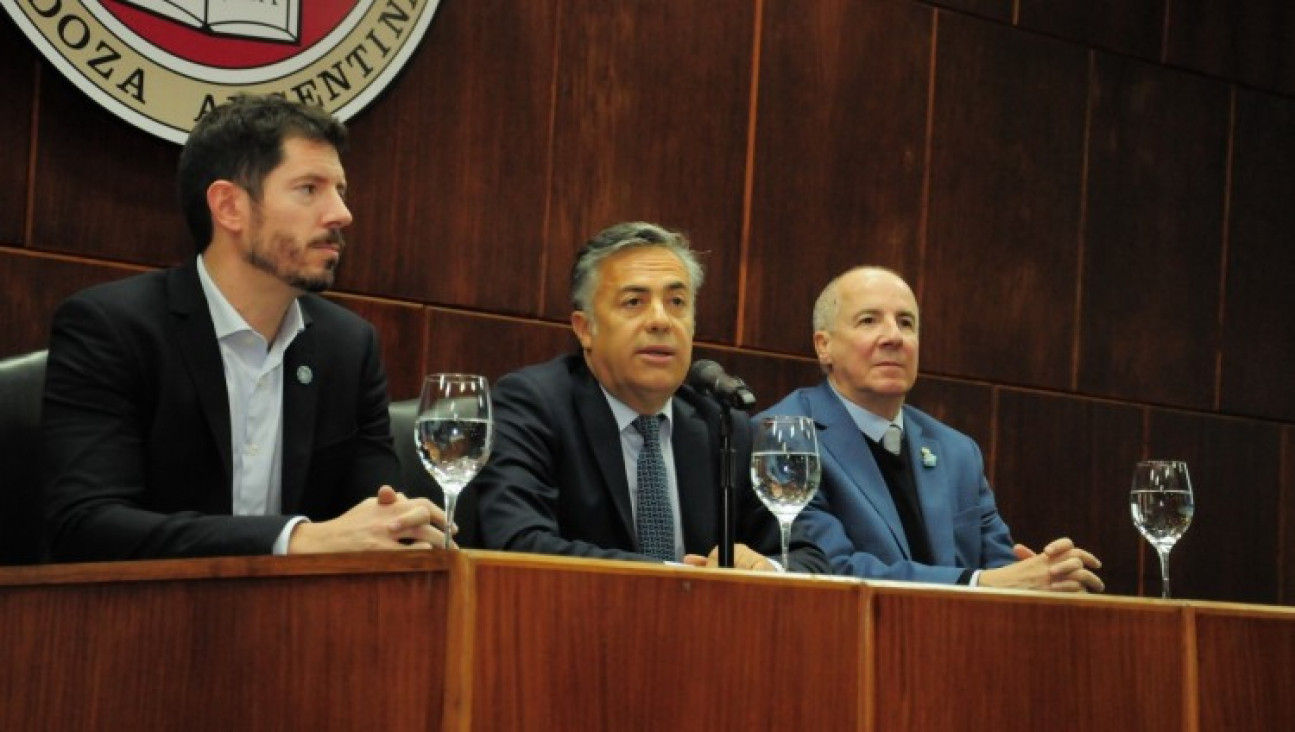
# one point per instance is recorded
(840, 437)
(300, 398)
(596, 419)
(196, 340)
(693, 461)
(933, 491)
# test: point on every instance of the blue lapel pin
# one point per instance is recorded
(305, 375)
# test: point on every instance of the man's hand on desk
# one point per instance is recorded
(387, 522)
(744, 557)
(1061, 567)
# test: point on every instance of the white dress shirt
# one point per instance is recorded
(254, 385)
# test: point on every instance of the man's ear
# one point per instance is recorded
(229, 206)
(822, 340)
(583, 327)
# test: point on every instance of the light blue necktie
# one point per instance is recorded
(893, 440)
(654, 520)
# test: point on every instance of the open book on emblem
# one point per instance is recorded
(274, 20)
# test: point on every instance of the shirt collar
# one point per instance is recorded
(870, 424)
(226, 319)
(625, 415)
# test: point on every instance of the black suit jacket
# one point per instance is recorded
(556, 483)
(136, 426)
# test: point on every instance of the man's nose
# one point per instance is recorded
(890, 330)
(657, 318)
(339, 214)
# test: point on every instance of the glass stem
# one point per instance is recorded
(451, 500)
(1164, 571)
(785, 527)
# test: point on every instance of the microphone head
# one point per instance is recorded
(704, 373)
(709, 377)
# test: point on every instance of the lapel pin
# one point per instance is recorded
(928, 458)
(305, 375)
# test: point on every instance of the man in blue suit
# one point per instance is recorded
(904, 496)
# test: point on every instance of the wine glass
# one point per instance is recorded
(784, 469)
(454, 432)
(1162, 504)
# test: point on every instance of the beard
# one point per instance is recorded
(282, 260)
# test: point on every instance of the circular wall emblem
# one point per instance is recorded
(161, 64)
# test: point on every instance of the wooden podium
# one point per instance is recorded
(490, 641)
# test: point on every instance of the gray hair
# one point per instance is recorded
(609, 241)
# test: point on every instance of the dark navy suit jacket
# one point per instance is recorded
(556, 482)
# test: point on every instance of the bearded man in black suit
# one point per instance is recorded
(222, 408)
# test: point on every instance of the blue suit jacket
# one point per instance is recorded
(854, 520)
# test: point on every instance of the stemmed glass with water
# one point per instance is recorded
(454, 433)
(785, 469)
(1162, 504)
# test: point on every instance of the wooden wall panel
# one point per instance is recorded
(1235, 466)
(33, 288)
(651, 124)
(1063, 469)
(103, 188)
(400, 329)
(449, 169)
(997, 9)
(962, 405)
(18, 61)
(1065, 664)
(1244, 41)
(998, 291)
(1134, 27)
(488, 345)
(1260, 260)
(840, 155)
(1153, 241)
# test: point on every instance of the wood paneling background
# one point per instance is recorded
(1092, 200)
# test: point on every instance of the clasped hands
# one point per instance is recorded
(389, 521)
(1060, 567)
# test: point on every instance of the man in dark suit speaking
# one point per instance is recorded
(604, 453)
(220, 408)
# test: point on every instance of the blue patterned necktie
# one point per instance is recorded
(654, 520)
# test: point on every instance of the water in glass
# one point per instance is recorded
(454, 432)
(1162, 505)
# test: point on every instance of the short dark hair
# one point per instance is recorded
(242, 141)
(584, 272)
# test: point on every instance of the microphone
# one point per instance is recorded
(708, 377)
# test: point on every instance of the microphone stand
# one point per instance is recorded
(727, 485)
